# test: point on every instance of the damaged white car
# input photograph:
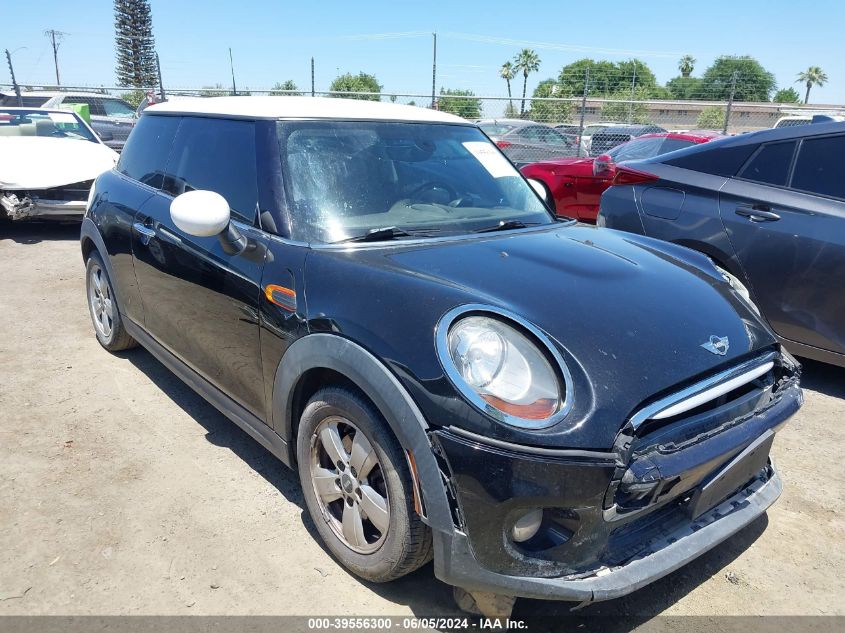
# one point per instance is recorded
(48, 162)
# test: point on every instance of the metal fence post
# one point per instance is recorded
(583, 107)
(730, 103)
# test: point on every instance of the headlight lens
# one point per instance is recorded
(505, 368)
(739, 287)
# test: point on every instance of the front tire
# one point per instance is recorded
(358, 488)
(102, 305)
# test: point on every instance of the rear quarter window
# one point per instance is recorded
(716, 160)
(770, 165)
(144, 156)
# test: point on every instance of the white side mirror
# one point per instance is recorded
(539, 187)
(200, 213)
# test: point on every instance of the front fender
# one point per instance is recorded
(329, 351)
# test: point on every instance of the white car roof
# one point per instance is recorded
(268, 107)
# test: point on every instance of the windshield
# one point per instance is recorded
(118, 108)
(496, 129)
(346, 179)
(44, 123)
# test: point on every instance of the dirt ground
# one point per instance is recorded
(123, 492)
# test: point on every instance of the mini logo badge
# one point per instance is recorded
(717, 345)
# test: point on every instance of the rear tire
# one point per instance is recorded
(357, 487)
(102, 305)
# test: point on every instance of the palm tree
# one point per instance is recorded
(686, 65)
(508, 72)
(813, 76)
(528, 62)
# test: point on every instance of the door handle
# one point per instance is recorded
(757, 213)
(145, 232)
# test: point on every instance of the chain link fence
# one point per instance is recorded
(576, 103)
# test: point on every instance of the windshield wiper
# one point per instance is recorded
(384, 234)
(506, 226)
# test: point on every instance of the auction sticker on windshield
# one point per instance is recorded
(60, 117)
(496, 164)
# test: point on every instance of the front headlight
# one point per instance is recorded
(739, 287)
(504, 369)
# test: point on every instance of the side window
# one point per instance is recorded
(145, 154)
(770, 165)
(216, 155)
(819, 168)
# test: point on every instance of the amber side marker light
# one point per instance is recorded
(283, 297)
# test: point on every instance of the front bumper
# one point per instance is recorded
(608, 549)
(456, 564)
(21, 206)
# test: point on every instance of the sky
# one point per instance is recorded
(274, 40)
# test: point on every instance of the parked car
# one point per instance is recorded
(27, 100)
(575, 185)
(111, 117)
(526, 141)
(790, 121)
(572, 131)
(48, 160)
(769, 208)
(605, 140)
(469, 378)
(591, 129)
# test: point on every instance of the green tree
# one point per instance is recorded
(607, 78)
(787, 95)
(508, 72)
(686, 65)
(460, 102)
(813, 76)
(287, 87)
(133, 97)
(134, 43)
(712, 118)
(684, 88)
(362, 82)
(753, 82)
(527, 62)
(625, 109)
(556, 110)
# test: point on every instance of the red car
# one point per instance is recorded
(576, 184)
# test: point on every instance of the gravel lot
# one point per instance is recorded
(121, 491)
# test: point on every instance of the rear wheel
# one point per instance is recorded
(108, 325)
(358, 488)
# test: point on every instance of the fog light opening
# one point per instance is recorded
(527, 526)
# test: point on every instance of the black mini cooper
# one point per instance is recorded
(376, 295)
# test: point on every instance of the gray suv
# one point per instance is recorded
(111, 117)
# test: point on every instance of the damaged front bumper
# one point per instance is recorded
(612, 521)
(65, 201)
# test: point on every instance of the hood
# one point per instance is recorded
(629, 313)
(34, 162)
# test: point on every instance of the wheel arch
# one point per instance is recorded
(315, 357)
(90, 241)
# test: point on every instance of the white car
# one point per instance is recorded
(48, 161)
(591, 129)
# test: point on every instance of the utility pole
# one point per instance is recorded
(232, 68)
(312, 76)
(583, 107)
(730, 103)
(160, 84)
(14, 82)
(434, 73)
(56, 39)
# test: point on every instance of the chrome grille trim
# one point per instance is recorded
(705, 390)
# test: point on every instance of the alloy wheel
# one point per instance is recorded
(349, 484)
(100, 300)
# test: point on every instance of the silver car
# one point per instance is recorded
(111, 117)
(526, 142)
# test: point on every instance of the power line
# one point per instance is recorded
(486, 39)
(56, 39)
